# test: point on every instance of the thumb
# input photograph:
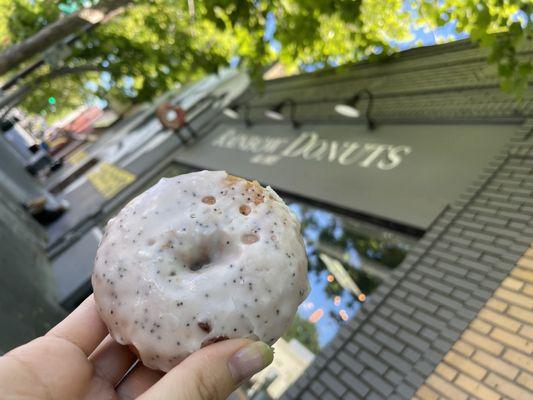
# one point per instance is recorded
(213, 372)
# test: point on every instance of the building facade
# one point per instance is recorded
(463, 293)
(417, 216)
(454, 319)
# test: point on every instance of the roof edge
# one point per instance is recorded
(458, 45)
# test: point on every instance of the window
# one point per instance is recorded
(348, 259)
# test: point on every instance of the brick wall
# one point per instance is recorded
(390, 348)
(439, 82)
(402, 334)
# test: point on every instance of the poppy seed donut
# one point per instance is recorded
(195, 259)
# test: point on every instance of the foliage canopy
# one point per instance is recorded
(155, 44)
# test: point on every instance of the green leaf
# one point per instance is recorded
(156, 44)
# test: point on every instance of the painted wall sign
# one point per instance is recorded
(403, 173)
(308, 145)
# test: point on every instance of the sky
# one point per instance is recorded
(428, 37)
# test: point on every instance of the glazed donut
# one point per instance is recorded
(196, 259)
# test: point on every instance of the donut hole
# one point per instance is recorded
(214, 249)
(203, 258)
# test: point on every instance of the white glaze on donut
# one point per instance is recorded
(198, 258)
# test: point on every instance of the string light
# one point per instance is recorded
(344, 315)
(313, 318)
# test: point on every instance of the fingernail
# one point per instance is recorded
(250, 360)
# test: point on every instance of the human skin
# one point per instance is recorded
(77, 359)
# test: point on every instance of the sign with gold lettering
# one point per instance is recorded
(402, 173)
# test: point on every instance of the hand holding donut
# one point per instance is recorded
(188, 277)
(77, 359)
(197, 259)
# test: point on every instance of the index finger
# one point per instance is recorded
(83, 327)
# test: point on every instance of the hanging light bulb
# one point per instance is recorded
(275, 112)
(233, 112)
(347, 110)
(349, 107)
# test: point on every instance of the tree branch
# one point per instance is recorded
(59, 30)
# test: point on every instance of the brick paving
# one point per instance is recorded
(493, 359)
